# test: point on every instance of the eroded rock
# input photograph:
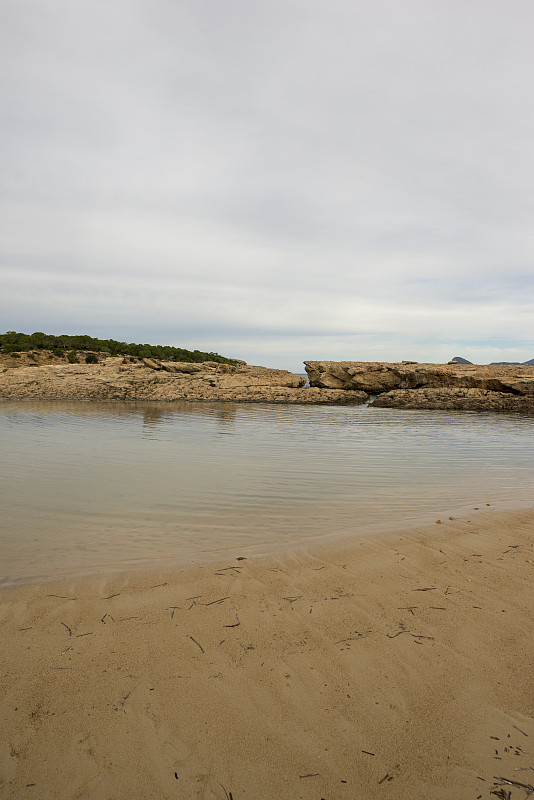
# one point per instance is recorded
(495, 387)
(113, 380)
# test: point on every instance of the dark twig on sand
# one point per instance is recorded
(234, 625)
(214, 602)
(387, 777)
(67, 627)
(353, 638)
(228, 794)
(415, 635)
(408, 608)
(197, 643)
(520, 731)
(528, 788)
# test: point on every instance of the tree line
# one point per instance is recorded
(13, 342)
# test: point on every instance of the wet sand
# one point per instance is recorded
(391, 666)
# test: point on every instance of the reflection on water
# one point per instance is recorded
(90, 484)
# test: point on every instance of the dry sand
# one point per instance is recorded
(397, 666)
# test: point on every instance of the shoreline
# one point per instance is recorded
(408, 384)
(391, 665)
(274, 547)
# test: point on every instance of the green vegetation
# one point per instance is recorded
(68, 346)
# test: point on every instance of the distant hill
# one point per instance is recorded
(13, 342)
(511, 363)
(460, 360)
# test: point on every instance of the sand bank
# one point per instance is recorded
(389, 667)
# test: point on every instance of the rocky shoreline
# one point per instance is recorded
(410, 385)
(149, 379)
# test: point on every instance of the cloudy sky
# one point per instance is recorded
(275, 181)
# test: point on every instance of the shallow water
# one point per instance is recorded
(87, 485)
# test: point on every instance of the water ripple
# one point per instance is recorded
(92, 483)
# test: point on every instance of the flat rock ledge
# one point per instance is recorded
(408, 384)
(156, 380)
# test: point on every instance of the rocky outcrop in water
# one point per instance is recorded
(442, 386)
(150, 379)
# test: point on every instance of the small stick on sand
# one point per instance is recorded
(415, 635)
(67, 627)
(388, 776)
(520, 731)
(309, 775)
(234, 625)
(221, 600)
(62, 596)
(526, 787)
(197, 643)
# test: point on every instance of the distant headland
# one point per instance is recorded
(460, 360)
(39, 366)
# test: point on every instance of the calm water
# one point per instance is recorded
(84, 485)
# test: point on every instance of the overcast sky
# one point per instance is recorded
(275, 181)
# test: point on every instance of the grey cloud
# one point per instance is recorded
(343, 175)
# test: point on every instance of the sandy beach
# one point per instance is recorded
(391, 666)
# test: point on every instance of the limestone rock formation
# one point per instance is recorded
(412, 385)
(112, 379)
(454, 399)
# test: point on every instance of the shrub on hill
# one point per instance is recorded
(12, 341)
